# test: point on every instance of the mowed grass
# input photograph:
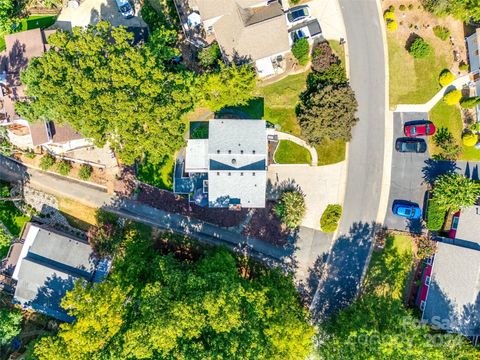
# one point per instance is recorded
(412, 81)
(443, 115)
(338, 49)
(31, 22)
(159, 175)
(12, 218)
(280, 100)
(331, 152)
(390, 268)
(78, 215)
(289, 152)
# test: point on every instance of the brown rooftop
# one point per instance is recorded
(22, 47)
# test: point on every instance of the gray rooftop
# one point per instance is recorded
(453, 299)
(469, 225)
(48, 265)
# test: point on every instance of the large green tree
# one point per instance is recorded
(452, 192)
(109, 90)
(10, 325)
(465, 10)
(157, 306)
(327, 112)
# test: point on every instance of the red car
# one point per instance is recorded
(421, 129)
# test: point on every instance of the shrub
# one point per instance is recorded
(10, 325)
(425, 247)
(103, 239)
(291, 208)
(85, 172)
(330, 218)
(333, 76)
(443, 138)
(453, 97)
(47, 161)
(470, 103)
(435, 216)
(463, 66)
(410, 6)
(402, 7)
(388, 16)
(391, 8)
(209, 56)
(323, 57)
(419, 48)
(392, 25)
(64, 167)
(469, 139)
(441, 32)
(445, 77)
(300, 50)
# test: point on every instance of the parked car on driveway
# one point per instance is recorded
(407, 210)
(419, 129)
(297, 14)
(411, 145)
(125, 8)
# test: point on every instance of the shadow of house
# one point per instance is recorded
(49, 264)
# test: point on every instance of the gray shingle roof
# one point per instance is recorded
(453, 300)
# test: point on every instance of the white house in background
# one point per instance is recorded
(473, 46)
(229, 169)
(20, 49)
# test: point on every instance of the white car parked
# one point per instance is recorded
(298, 14)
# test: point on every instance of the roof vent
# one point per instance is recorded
(241, 174)
(253, 174)
(241, 151)
(229, 174)
(229, 151)
(218, 151)
(253, 151)
(234, 161)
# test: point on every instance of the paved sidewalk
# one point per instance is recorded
(458, 83)
(298, 141)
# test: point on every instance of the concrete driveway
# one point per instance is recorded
(92, 11)
(407, 181)
(329, 15)
(321, 185)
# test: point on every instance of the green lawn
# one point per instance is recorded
(412, 81)
(290, 153)
(331, 152)
(389, 269)
(338, 49)
(159, 175)
(10, 216)
(443, 115)
(31, 22)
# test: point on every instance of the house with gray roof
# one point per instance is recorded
(452, 300)
(48, 262)
(228, 169)
(473, 48)
(246, 30)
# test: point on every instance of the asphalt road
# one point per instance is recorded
(350, 251)
(407, 181)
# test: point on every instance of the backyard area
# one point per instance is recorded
(78, 215)
(289, 152)
(415, 80)
(159, 175)
(10, 216)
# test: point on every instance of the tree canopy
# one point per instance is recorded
(159, 306)
(454, 191)
(465, 10)
(10, 325)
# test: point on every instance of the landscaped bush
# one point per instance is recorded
(446, 77)
(334, 75)
(330, 218)
(425, 247)
(443, 138)
(453, 97)
(47, 161)
(64, 167)
(388, 15)
(291, 208)
(435, 216)
(391, 8)
(10, 325)
(410, 6)
(323, 57)
(300, 50)
(441, 32)
(463, 66)
(419, 48)
(469, 139)
(402, 7)
(209, 56)
(85, 172)
(470, 103)
(392, 25)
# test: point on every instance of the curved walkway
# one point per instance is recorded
(298, 141)
(458, 83)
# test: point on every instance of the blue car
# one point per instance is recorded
(409, 211)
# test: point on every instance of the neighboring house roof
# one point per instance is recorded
(473, 42)
(48, 132)
(48, 265)
(235, 157)
(24, 46)
(453, 299)
(245, 30)
(468, 226)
